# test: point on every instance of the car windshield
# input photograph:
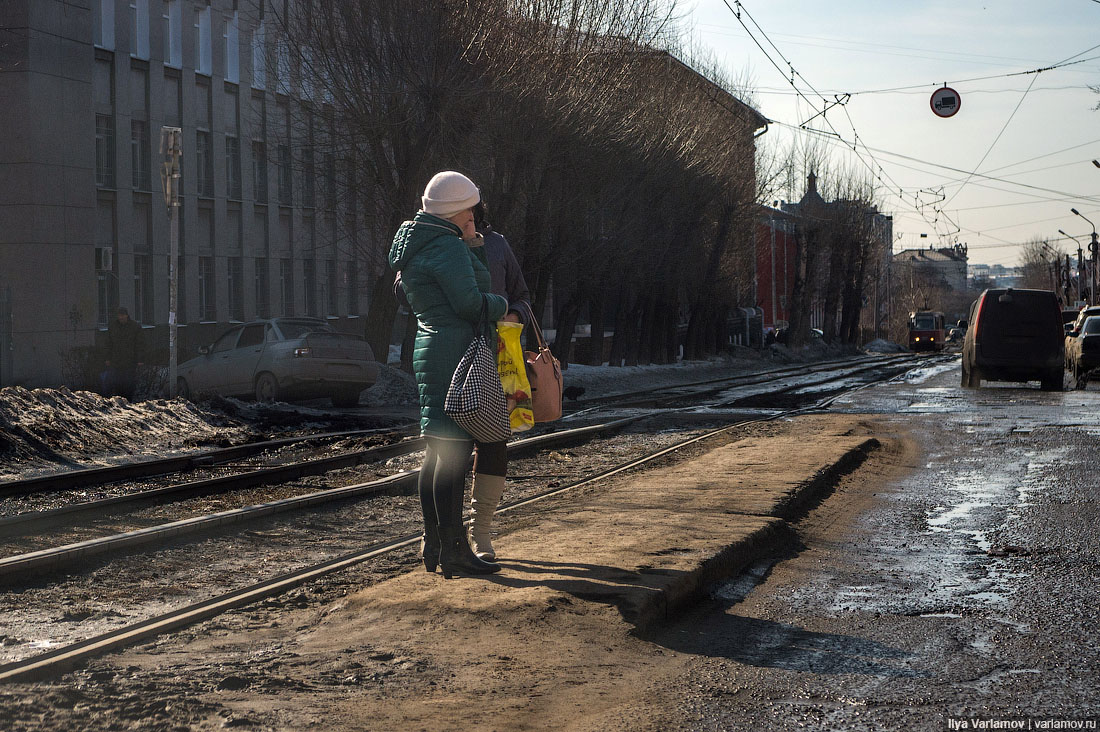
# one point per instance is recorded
(297, 328)
(924, 322)
(1092, 326)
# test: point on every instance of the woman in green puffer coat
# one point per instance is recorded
(448, 287)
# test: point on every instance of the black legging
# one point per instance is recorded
(491, 458)
(442, 481)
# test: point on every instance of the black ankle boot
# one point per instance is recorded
(429, 547)
(456, 557)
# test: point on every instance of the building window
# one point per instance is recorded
(285, 179)
(262, 309)
(330, 289)
(259, 57)
(139, 155)
(204, 163)
(232, 167)
(207, 306)
(308, 173)
(282, 67)
(353, 288)
(173, 33)
(203, 55)
(236, 289)
(139, 29)
(143, 289)
(103, 24)
(309, 271)
(259, 171)
(104, 151)
(230, 35)
(286, 286)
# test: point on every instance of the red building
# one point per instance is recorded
(775, 264)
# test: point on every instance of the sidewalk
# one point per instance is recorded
(545, 643)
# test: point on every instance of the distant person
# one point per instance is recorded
(124, 354)
(448, 287)
(491, 461)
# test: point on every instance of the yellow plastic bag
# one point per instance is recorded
(513, 376)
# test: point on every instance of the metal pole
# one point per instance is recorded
(170, 144)
(1092, 248)
(775, 315)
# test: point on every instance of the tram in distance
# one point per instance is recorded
(926, 331)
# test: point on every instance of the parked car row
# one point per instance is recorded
(282, 358)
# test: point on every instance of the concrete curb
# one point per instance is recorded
(774, 537)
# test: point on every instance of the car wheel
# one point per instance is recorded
(346, 398)
(183, 391)
(267, 388)
(975, 377)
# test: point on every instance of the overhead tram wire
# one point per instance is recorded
(854, 148)
(828, 136)
(1035, 75)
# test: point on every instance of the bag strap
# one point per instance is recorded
(535, 325)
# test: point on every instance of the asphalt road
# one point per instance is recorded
(962, 594)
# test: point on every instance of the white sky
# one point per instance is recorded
(849, 46)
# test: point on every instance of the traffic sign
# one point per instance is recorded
(945, 102)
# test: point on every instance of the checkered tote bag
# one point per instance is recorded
(475, 399)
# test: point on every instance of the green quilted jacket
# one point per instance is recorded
(446, 282)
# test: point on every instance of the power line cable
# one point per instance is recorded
(994, 143)
(827, 135)
(854, 147)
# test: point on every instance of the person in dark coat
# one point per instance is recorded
(491, 463)
(124, 354)
(448, 287)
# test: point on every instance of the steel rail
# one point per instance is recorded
(23, 523)
(48, 559)
(63, 659)
(84, 477)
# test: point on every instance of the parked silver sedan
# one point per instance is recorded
(282, 358)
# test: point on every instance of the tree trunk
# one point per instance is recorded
(595, 317)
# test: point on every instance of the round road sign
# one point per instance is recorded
(945, 102)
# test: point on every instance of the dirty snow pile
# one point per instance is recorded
(882, 346)
(49, 428)
(393, 388)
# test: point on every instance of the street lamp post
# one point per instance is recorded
(1093, 247)
(1080, 254)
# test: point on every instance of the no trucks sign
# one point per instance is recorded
(945, 102)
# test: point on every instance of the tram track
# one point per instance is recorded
(23, 522)
(64, 658)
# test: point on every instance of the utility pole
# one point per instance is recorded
(1080, 265)
(170, 147)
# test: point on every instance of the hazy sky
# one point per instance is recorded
(1042, 159)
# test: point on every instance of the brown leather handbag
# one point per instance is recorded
(544, 373)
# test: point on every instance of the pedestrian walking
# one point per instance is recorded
(124, 354)
(491, 459)
(448, 287)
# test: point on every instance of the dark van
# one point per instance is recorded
(1014, 335)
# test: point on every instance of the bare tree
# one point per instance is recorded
(1039, 263)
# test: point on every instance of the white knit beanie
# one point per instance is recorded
(448, 193)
